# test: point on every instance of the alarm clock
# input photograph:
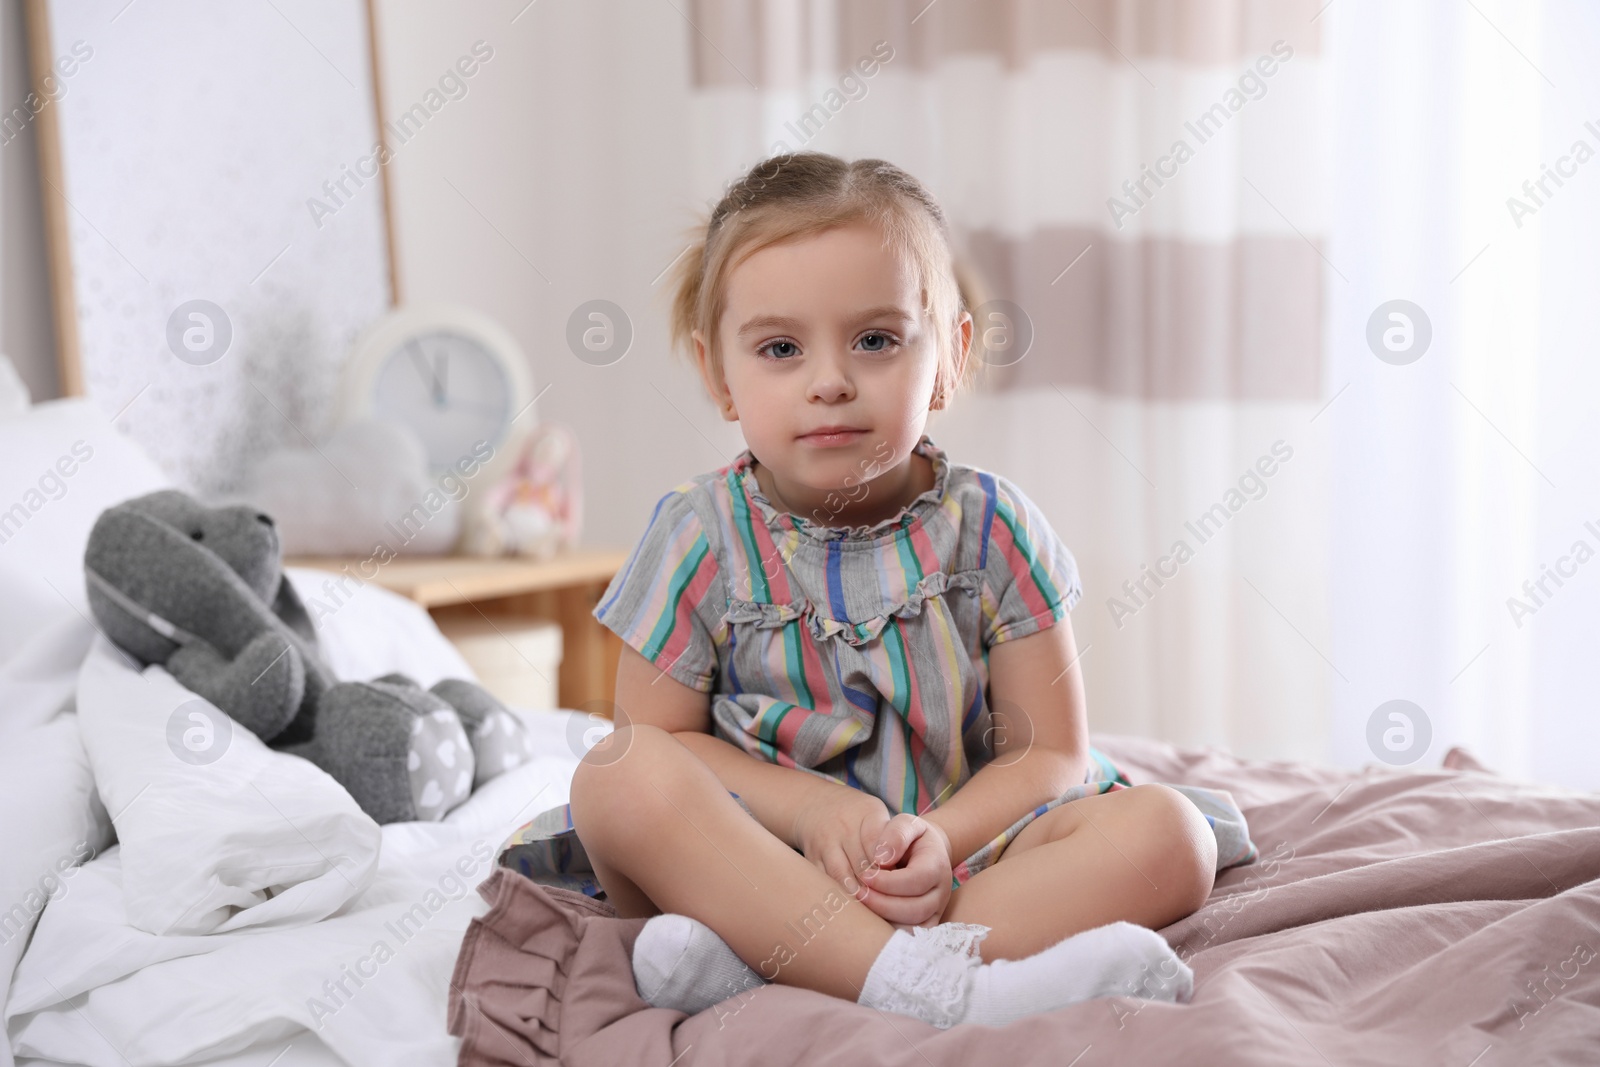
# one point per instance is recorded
(453, 376)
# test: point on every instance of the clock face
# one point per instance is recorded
(447, 387)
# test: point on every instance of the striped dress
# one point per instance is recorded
(857, 653)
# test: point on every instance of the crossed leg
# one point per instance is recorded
(1143, 855)
(664, 835)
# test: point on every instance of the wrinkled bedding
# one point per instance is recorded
(1406, 917)
(354, 973)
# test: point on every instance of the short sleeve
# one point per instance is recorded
(1030, 578)
(668, 601)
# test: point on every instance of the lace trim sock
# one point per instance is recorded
(926, 972)
(1118, 960)
(681, 963)
(935, 974)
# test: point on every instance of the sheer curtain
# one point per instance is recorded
(1464, 182)
(1140, 184)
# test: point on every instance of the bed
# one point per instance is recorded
(1435, 915)
(1439, 916)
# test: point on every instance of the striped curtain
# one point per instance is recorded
(1138, 187)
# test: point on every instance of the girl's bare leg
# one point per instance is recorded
(1144, 855)
(664, 835)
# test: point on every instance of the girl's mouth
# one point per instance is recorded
(832, 436)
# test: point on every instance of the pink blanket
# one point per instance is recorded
(1394, 917)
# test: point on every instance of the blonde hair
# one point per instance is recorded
(802, 194)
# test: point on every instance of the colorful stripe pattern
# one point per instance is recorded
(856, 653)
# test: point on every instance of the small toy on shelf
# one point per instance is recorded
(536, 510)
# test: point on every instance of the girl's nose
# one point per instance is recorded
(830, 381)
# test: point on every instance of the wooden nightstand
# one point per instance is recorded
(563, 589)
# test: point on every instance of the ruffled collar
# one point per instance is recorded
(743, 471)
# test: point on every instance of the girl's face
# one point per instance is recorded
(828, 362)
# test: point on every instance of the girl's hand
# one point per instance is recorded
(911, 883)
(837, 832)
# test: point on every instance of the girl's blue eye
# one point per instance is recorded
(783, 350)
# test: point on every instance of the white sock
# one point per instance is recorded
(681, 963)
(1118, 960)
(935, 975)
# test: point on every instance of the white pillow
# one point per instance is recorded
(61, 464)
(218, 831)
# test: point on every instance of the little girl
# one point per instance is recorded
(885, 632)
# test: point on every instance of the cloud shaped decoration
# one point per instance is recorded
(366, 486)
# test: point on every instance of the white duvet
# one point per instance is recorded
(340, 938)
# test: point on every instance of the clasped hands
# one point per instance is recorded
(899, 866)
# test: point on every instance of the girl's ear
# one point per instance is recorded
(713, 381)
(944, 387)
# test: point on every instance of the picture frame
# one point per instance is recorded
(233, 233)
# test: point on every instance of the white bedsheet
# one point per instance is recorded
(370, 983)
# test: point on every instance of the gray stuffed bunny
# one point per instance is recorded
(201, 590)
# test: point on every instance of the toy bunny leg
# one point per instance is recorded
(399, 750)
(500, 740)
